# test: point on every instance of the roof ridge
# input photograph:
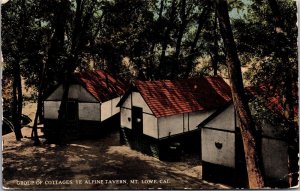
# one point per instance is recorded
(100, 84)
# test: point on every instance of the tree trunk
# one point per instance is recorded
(17, 83)
(247, 127)
(151, 66)
(182, 27)
(62, 117)
(215, 58)
(293, 145)
(70, 64)
(202, 18)
(62, 112)
(56, 50)
(151, 69)
(34, 132)
(17, 102)
(39, 107)
(77, 24)
(161, 9)
(162, 62)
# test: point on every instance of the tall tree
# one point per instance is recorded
(183, 13)
(215, 56)
(78, 36)
(170, 26)
(193, 47)
(289, 102)
(15, 57)
(17, 101)
(68, 66)
(34, 133)
(246, 124)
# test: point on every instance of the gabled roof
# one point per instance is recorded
(100, 84)
(166, 97)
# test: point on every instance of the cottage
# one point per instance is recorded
(222, 149)
(160, 117)
(220, 140)
(92, 101)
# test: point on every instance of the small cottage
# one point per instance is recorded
(92, 100)
(220, 140)
(223, 158)
(160, 118)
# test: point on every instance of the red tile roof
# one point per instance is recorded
(101, 85)
(167, 97)
(273, 102)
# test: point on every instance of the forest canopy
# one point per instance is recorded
(44, 41)
(156, 39)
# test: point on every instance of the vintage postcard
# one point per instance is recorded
(158, 94)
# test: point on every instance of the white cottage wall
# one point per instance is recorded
(275, 158)
(186, 122)
(150, 125)
(106, 110)
(127, 102)
(180, 123)
(195, 118)
(75, 92)
(222, 130)
(225, 155)
(274, 151)
(149, 120)
(89, 111)
(57, 94)
(51, 109)
(114, 107)
(126, 121)
(225, 120)
(138, 101)
(84, 95)
(109, 108)
(170, 125)
(271, 131)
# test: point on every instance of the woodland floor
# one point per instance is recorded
(62, 167)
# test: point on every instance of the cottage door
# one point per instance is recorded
(137, 127)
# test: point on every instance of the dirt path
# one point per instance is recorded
(98, 164)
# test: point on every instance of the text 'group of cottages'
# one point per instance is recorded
(166, 119)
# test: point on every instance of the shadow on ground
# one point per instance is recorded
(93, 161)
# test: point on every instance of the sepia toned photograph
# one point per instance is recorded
(156, 94)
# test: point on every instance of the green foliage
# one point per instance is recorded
(108, 33)
(26, 35)
(257, 45)
(101, 34)
(259, 52)
(266, 119)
